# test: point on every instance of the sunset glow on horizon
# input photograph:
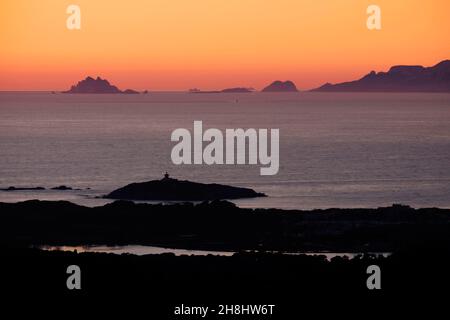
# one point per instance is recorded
(212, 44)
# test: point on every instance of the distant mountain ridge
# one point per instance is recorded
(98, 85)
(401, 78)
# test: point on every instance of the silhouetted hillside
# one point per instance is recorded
(220, 225)
(399, 79)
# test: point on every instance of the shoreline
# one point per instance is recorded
(222, 226)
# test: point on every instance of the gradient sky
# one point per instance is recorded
(213, 44)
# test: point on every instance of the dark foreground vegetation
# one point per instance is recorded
(295, 284)
(220, 225)
(416, 272)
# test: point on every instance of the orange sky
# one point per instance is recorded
(213, 44)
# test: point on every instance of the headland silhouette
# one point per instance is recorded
(398, 79)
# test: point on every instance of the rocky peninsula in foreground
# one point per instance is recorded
(417, 238)
(220, 225)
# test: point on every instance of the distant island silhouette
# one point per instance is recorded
(13, 188)
(280, 86)
(238, 90)
(398, 79)
(98, 85)
(61, 188)
(180, 190)
(227, 90)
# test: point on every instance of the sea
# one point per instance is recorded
(346, 150)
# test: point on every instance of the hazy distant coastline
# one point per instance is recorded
(399, 78)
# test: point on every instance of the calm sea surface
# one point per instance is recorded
(336, 149)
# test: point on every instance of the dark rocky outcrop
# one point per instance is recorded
(130, 91)
(62, 188)
(238, 90)
(200, 91)
(180, 190)
(227, 90)
(98, 85)
(398, 79)
(280, 86)
(12, 188)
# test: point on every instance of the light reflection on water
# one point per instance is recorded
(341, 150)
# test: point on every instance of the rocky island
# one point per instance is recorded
(281, 86)
(130, 91)
(398, 79)
(98, 85)
(13, 188)
(170, 189)
(238, 90)
(60, 188)
(227, 90)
